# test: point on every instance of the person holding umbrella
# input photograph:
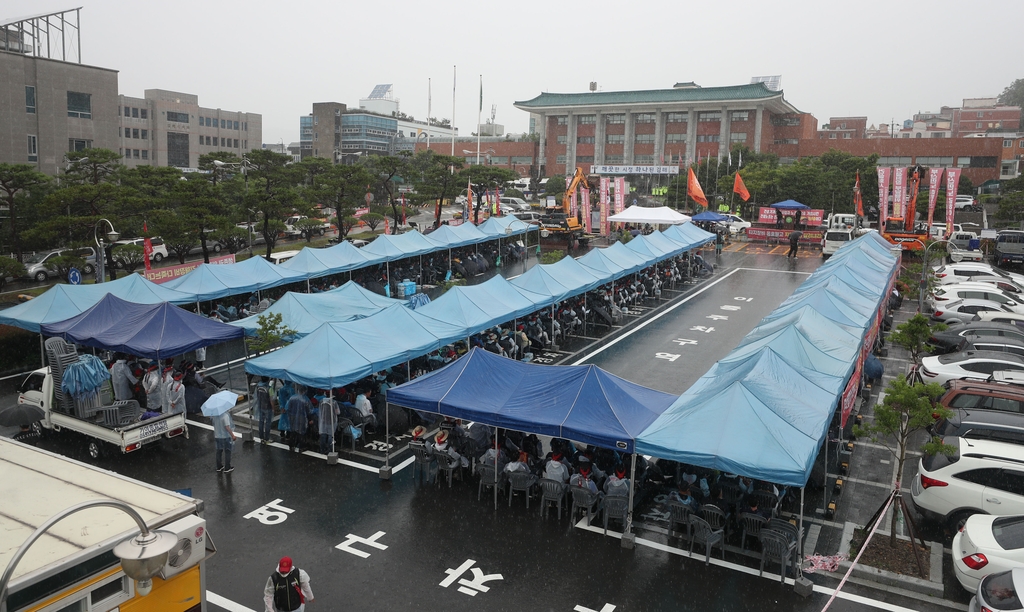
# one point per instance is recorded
(794, 243)
(218, 408)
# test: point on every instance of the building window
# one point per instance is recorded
(222, 142)
(177, 150)
(143, 113)
(709, 116)
(79, 105)
(833, 136)
(145, 154)
(643, 159)
(245, 126)
(135, 132)
(741, 116)
(614, 119)
(615, 138)
(708, 138)
(584, 140)
(963, 162)
(846, 135)
(674, 138)
(561, 120)
(584, 159)
(33, 149)
(1007, 143)
(560, 159)
(675, 117)
(145, 134)
(981, 114)
(78, 144)
(904, 136)
(178, 118)
(643, 118)
(236, 126)
(135, 153)
(613, 159)
(127, 111)
(135, 113)
(586, 120)
(917, 135)
(977, 125)
(30, 99)
(236, 144)
(643, 138)
(562, 139)
(738, 137)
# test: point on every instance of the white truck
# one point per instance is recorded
(104, 423)
(291, 230)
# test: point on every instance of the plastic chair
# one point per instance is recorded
(447, 464)
(587, 500)
(521, 481)
(703, 533)
(752, 525)
(615, 507)
(489, 478)
(424, 459)
(552, 492)
(767, 500)
(345, 431)
(775, 547)
(792, 534)
(716, 517)
(679, 514)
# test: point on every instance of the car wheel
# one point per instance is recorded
(41, 277)
(157, 257)
(322, 231)
(88, 269)
(94, 450)
(216, 248)
(957, 520)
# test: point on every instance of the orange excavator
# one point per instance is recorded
(902, 230)
(566, 224)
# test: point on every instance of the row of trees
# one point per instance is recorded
(197, 210)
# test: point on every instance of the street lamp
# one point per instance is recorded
(142, 556)
(950, 248)
(101, 258)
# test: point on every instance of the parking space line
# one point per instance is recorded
(227, 604)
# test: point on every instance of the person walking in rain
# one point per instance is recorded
(153, 386)
(224, 437)
(287, 588)
(264, 409)
(122, 379)
(794, 242)
(298, 417)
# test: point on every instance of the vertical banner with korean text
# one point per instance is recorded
(603, 202)
(934, 182)
(899, 191)
(952, 184)
(883, 196)
(585, 194)
(620, 193)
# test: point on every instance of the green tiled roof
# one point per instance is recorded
(752, 91)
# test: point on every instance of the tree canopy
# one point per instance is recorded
(1013, 94)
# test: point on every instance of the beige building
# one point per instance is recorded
(169, 128)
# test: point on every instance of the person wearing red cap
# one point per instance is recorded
(287, 588)
(176, 395)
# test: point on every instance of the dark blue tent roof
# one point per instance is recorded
(157, 331)
(582, 403)
(790, 205)
(708, 215)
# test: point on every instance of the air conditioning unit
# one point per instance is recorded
(191, 547)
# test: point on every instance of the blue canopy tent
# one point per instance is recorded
(61, 302)
(339, 353)
(157, 331)
(478, 307)
(539, 280)
(572, 274)
(790, 205)
(667, 244)
(454, 236)
(598, 261)
(830, 354)
(709, 215)
(820, 329)
(416, 243)
(385, 248)
(500, 227)
(305, 312)
(629, 260)
(648, 250)
(342, 257)
(831, 306)
(211, 282)
(689, 234)
(581, 403)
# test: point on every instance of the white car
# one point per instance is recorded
(974, 268)
(976, 365)
(980, 477)
(967, 203)
(1006, 285)
(987, 544)
(159, 249)
(1000, 317)
(736, 224)
(955, 312)
(974, 291)
(516, 204)
(998, 591)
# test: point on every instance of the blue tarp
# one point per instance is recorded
(342, 257)
(499, 227)
(305, 312)
(478, 307)
(542, 281)
(157, 331)
(582, 403)
(708, 215)
(214, 281)
(61, 302)
(790, 205)
(390, 247)
(454, 236)
(339, 353)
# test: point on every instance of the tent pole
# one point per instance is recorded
(801, 524)
(824, 481)
(629, 510)
(307, 286)
(330, 396)
(42, 349)
(552, 324)
(495, 447)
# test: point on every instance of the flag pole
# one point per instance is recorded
(428, 113)
(455, 71)
(478, 114)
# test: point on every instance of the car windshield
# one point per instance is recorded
(1000, 592)
(1009, 531)
(34, 257)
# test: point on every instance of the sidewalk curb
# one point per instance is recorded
(884, 578)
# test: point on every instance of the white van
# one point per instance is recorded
(835, 238)
(282, 256)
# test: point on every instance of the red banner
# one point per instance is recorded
(934, 179)
(361, 211)
(603, 202)
(162, 275)
(770, 233)
(952, 184)
(585, 194)
(147, 250)
(883, 195)
(810, 218)
(899, 191)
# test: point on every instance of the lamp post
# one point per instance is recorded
(924, 267)
(141, 557)
(101, 257)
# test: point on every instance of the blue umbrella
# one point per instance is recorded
(219, 403)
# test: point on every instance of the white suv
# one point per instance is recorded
(966, 202)
(159, 249)
(981, 477)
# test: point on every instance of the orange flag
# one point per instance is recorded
(695, 192)
(740, 189)
(857, 198)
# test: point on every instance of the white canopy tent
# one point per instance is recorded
(640, 214)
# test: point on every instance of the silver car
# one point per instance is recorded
(39, 266)
(964, 310)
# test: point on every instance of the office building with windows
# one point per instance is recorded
(169, 128)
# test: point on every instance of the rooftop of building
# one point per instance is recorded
(687, 93)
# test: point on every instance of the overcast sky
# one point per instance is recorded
(883, 59)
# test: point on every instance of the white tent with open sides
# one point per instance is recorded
(640, 214)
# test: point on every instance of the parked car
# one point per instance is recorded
(987, 545)
(999, 592)
(962, 311)
(991, 316)
(736, 224)
(1001, 426)
(39, 266)
(951, 340)
(974, 291)
(159, 248)
(280, 257)
(994, 343)
(975, 268)
(966, 203)
(980, 477)
(516, 204)
(976, 365)
(1006, 285)
(528, 217)
(972, 396)
(939, 230)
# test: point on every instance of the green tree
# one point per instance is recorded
(387, 172)
(10, 268)
(907, 408)
(128, 257)
(341, 188)
(64, 263)
(309, 228)
(434, 178)
(1011, 207)
(484, 179)
(372, 220)
(179, 234)
(345, 225)
(914, 334)
(1013, 94)
(232, 237)
(965, 186)
(555, 186)
(1013, 185)
(17, 183)
(272, 192)
(199, 206)
(271, 333)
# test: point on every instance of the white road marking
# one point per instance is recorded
(227, 604)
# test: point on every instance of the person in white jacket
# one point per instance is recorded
(166, 378)
(287, 588)
(153, 386)
(122, 379)
(176, 395)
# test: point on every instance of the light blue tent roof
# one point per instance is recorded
(598, 261)
(647, 250)
(305, 312)
(454, 236)
(868, 280)
(211, 282)
(764, 419)
(390, 247)
(667, 244)
(61, 302)
(575, 276)
(478, 307)
(339, 353)
(841, 286)
(812, 324)
(837, 293)
(827, 353)
(540, 280)
(496, 227)
(688, 233)
(342, 257)
(628, 259)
